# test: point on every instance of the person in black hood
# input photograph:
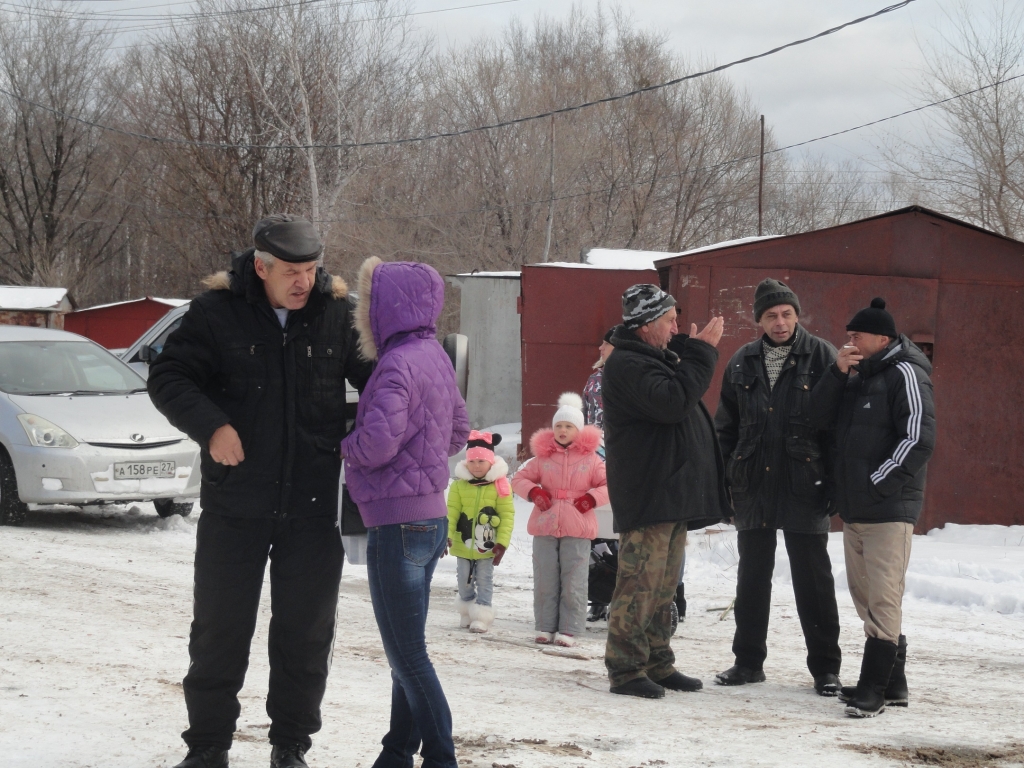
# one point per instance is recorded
(878, 397)
(777, 471)
(256, 375)
(664, 476)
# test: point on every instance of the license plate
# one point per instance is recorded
(140, 470)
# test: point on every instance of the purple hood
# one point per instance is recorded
(411, 417)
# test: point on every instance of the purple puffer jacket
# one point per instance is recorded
(411, 417)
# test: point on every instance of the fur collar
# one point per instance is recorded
(543, 443)
(498, 470)
(242, 279)
(361, 317)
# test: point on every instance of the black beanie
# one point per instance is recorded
(608, 336)
(770, 293)
(874, 319)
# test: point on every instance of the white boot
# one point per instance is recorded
(480, 617)
(463, 607)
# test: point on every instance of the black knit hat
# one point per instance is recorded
(608, 336)
(874, 319)
(770, 293)
(287, 237)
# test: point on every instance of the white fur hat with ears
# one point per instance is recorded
(570, 409)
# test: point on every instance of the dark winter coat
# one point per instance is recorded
(411, 416)
(777, 460)
(664, 463)
(283, 390)
(884, 418)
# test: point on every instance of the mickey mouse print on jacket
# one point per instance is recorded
(567, 474)
(480, 512)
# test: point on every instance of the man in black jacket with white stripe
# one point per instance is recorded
(880, 395)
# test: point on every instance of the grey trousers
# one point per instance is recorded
(561, 568)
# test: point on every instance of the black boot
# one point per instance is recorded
(869, 698)
(642, 687)
(205, 757)
(287, 756)
(597, 612)
(827, 684)
(896, 693)
(681, 601)
(738, 675)
(677, 681)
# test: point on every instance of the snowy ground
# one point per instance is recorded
(95, 610)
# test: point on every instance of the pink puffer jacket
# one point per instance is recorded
(566, 474)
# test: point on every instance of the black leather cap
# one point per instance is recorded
(287, 237)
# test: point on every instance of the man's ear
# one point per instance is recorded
(261, 269)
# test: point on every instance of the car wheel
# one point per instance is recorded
(12, 510)
(167, 507)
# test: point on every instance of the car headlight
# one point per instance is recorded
(45, 434)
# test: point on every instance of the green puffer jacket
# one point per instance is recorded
(472, 539)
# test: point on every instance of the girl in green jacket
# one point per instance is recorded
(480, 520)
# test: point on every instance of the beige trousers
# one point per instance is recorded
(877, 555)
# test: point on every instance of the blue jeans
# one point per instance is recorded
(476, 580)
(400, 562)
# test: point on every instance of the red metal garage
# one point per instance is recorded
(116, 326)
(955, 289)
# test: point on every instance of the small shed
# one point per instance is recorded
(32, 306)
(117, 325)
(566, 310)
(955, 289)
(490, 321)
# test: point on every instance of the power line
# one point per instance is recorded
(734, 161)
(476, 129)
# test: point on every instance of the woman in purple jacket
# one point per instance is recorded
(411, 418)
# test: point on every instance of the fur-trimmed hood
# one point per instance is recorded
(543, 443)
(498, 470)
(243, 280)
(396, 299)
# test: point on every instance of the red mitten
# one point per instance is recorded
(499, 552)
(585, 503)
(541, 498)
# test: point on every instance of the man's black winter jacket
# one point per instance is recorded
(884, 417)
(777, 460)
(282, 389)
(663, 460)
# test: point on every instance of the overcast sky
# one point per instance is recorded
(857, 75)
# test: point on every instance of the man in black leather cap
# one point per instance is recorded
(777, 467)
(256, 375)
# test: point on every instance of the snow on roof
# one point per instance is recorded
(622, 258)
(509, 273)
(723, 244)
(30, 297)
(168, 302)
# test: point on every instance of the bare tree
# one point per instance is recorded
(61, 198)
(971, 163)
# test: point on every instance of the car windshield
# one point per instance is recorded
(64, 368)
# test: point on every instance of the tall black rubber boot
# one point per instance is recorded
(896, 693)
(869, 698)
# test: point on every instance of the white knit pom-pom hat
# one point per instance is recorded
(570, 409)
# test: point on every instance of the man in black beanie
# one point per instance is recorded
(777, 470)
(878, 395)
(256, 375)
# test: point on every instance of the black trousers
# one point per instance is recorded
(813, 586)
(305, 570)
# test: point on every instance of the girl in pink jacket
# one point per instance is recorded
(565, 481)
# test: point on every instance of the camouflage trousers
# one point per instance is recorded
(640, 617)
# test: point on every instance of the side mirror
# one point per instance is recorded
(457, 347)
(146, 354)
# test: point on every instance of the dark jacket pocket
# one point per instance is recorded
(806, 468)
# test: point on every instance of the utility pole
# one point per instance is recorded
(760, 185)
(551, 196)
